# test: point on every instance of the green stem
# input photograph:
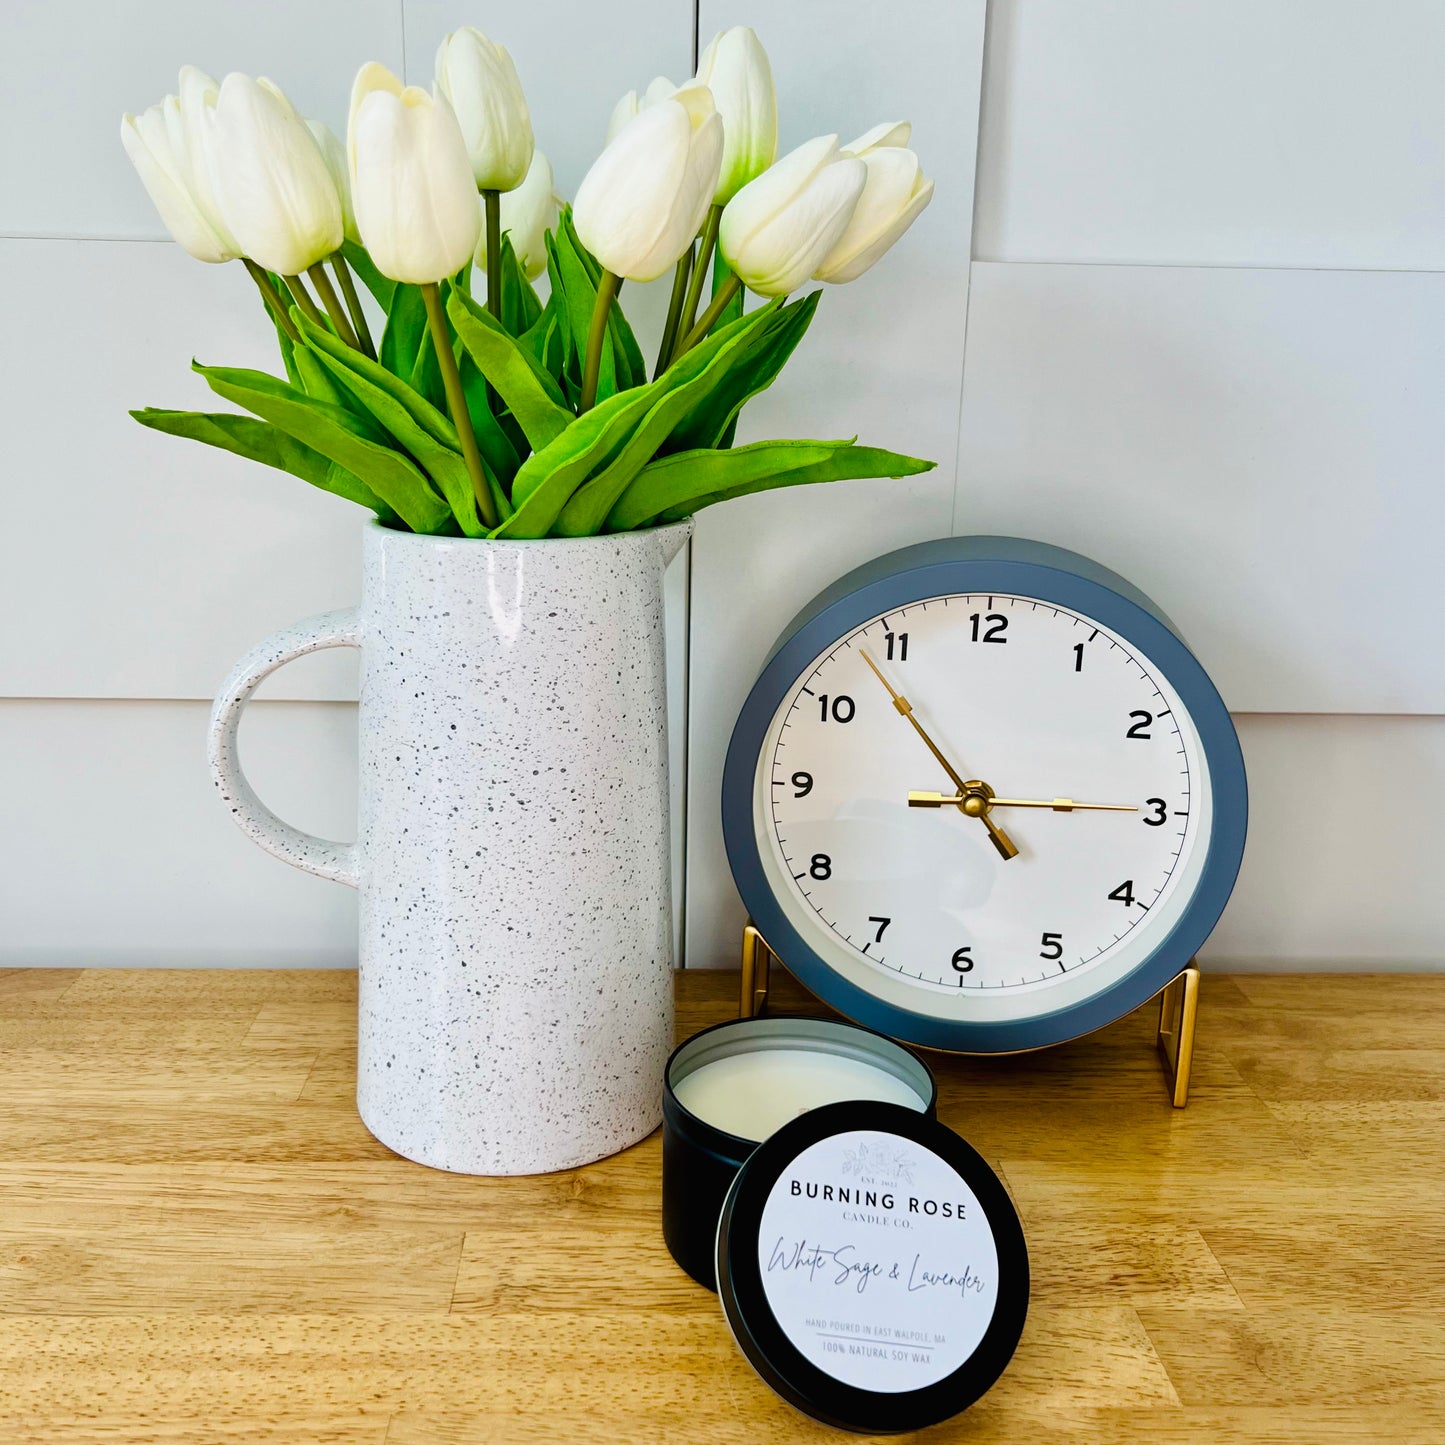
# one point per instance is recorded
(353, 305)
(699, 272)
(492, 201)
(327, 292)
(303, 299)
(674, 311)
(718, 305)
(272, 298)
(457, 402)
(607, 288)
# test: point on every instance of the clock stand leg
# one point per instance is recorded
(1178, 1010)
(756, 959)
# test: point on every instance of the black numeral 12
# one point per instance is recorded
(994, 632)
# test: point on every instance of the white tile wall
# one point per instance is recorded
(1262, 134)
(1232, 133)
(115, 850)
(143, 565)
(1260, 451)
(72, 69)
(882, 360)
(1325, 882)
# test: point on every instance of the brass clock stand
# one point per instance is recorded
(1178, 1010)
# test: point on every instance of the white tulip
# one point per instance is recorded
(198, 97)
(735, 68)
(639, 207)
(632, 105)
(411, 180)
(271, 179)
(335, 155)
(889, 133)
(776, 231)
(893, 197)
(155, 142)
(480, 81)
(528, 213)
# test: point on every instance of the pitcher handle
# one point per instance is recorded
(337, 861)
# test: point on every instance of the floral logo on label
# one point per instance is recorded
(886, 1164)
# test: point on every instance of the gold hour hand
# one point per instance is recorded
(1000, 839)
(1059, 805)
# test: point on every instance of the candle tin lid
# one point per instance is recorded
(872, 1268)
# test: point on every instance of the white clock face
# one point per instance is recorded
(917, 905)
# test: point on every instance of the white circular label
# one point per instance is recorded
(877, 1261)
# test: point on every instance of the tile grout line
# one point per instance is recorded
(968, 295)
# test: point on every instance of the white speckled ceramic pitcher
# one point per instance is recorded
(514, 860)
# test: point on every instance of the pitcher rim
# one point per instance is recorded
(375, 525)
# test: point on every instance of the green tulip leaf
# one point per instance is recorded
(406, 330)
(676, 486)
(712, 422)
(680, 388)
(317, 381)
(426, 375)
(548, 478)
(544, 341)
(416, 425)
(578, 293)
(341, 437)
(626, 352)
(381, 287)
(520, 305)
(259, 441)
(528, 392)
(499, 450)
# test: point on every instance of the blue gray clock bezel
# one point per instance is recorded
(1007, 565)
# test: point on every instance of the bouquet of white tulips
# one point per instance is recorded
(513, 416)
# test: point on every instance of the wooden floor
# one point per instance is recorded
(200, 1242)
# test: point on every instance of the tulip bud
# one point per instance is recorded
(480, 83)
(527, 214)
(776, 231)
(198, 97)
(631, 106)
(894, 194)
(735, 68)
(639, 207)
(155, 143)
(411, 180)
(334, 153)
(271, 179)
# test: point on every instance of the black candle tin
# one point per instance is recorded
(700, 1161)
(872, 1268)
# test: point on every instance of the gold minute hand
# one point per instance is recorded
(1001, 840)
(1059, 805)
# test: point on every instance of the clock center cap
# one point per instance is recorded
(977, 798)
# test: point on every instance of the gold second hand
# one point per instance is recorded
(1001, 840)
